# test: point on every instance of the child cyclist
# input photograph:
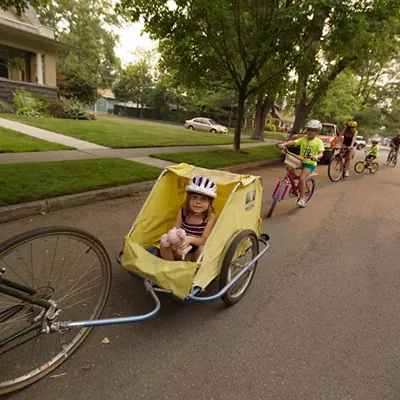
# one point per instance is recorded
(373, 151)
(196, 217)
(312, 149)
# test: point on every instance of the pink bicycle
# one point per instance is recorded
(291, 182)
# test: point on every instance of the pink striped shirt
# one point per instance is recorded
(195, 230)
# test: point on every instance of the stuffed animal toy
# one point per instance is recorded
(173, 238)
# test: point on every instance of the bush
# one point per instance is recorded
(27, 105)
(56, 109)
(41, 102)
(74, 109)
(270, 127)
(92, 115)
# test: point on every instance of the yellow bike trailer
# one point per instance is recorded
(231, 252)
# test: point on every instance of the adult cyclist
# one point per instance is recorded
(395, 143)
(349, 135)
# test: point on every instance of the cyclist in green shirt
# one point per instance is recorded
(312, 149)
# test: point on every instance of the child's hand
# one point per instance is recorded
(185, 243)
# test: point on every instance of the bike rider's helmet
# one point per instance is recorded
(374, 141)
(202, 185)
(351, 124)
(313, 124)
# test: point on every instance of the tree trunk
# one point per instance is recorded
(302, 111)
(262, 109)
(239, 123)
(141, 112)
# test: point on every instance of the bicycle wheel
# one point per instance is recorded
(335, 169)
(374, 167)
(66, 265)
(242, 250)
(310, 188)
(394, 160)
(359, 167)
(390, 157)
(276, 198)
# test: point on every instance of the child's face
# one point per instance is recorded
(198, 203)
(311, 133)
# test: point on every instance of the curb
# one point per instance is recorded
(17, 211)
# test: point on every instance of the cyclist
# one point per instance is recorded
(349, 135)
(395, 143)
(373, 151)
(312, 149)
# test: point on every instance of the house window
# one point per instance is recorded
(3, 64)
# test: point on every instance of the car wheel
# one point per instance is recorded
(191, 128)
(359, 147)
(213, 131)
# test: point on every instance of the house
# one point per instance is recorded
(105, 102)
(279, 119)
(27, 55)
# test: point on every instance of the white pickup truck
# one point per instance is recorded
(360, 143)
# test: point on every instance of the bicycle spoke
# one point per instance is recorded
(71, 294)
(65, 265)
(52, 264)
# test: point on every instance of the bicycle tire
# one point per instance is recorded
(18, 241)
(309, 198)
(390, 157)
(373, 170)
(359, 164)
(228, 298)
(276, 198)
(330, 175)
(394, 161)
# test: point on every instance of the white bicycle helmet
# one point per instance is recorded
(313, 124)
(202, 185)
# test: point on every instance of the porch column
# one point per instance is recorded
(39, 68)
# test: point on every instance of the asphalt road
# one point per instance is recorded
(320, 321)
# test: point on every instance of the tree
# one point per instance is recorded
(221, 43)
(21, 5)
(81, 23)
(135, 83)
(340, 102)
(344, 34)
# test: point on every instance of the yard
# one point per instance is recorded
(14, 142)
(122, 133)
(222, 158)
(35, 181)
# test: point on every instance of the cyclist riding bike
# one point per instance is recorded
(373, 151)
(312, 149)
(395, 143)
(349, 135)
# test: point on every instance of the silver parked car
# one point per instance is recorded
(205, 124)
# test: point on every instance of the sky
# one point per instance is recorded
(131, 39)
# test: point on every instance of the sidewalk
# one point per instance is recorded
(49, 136)
(137, 154)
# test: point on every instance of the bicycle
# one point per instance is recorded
(392, 157)
(49, 271)
(293, 162)
(368, 163)
(336, 168)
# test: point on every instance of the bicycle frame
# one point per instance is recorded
(290, 179)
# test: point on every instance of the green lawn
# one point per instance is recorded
(34, 181)
(121, 133)
(14, 142)
(222, 158)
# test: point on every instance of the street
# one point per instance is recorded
(320, 320)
